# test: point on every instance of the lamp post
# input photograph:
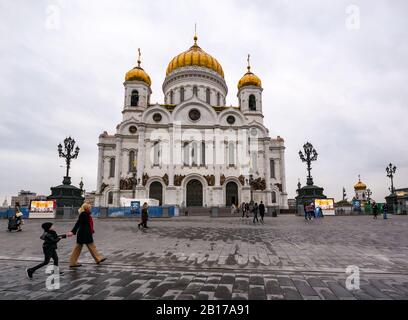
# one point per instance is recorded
(310, 154)
(134, 180)
(251, 179)
(369, 193)
(69, 154)
(391, 169)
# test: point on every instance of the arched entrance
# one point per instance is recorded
(231, 193)
(194, 193)
(156, 191)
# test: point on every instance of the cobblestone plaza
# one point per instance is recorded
(218, 258)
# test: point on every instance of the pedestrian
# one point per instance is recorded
(247, 209)
(385, 211)
(242, 209)
(312, 211)
(50, 238)
(305, 209)
(375, 210)
(84, 230)
(262, 211)
(144, 216)
(18, 216)
(256, 210)
(233, 208)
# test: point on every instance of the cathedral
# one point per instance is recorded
(192, 150)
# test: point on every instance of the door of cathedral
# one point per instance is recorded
(156, 192)
(231, 193)
(194, 194)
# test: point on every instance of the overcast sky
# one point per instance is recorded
(333, 74)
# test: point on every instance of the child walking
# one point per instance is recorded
(51, 239)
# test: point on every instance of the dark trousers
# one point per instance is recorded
(262, 215)
(48, 255)
(256, 217)
(143, 224)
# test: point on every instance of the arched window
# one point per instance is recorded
(273, 197)
(231, 154)
(186, 154)
(112, 167)
(181, 94)
(208, 95)
(194, 153)
(110, 197)
(252, 102)
(218, 99)
(171, 97)
(203, 153)
(156, 156)
(132, 161)
(272, 168)
(195, 91)
(254, 161)
(134, 100)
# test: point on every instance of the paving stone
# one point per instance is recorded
(223, 292)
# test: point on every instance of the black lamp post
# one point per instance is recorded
(309, 155)
(391, 169)
(369, 193)
(69, 154)
(251, 179)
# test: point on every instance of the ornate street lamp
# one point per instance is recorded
(310, 154)
(369, 193)
(251, 179)
(69, 154)
(391, 169)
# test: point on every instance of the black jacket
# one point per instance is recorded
(82, 229)
(51, 239)
(261, 208)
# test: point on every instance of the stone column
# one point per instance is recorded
(118, 170)
(284, 195)
(171, 160)
(141, 154)
(100, 168)
(267, 170)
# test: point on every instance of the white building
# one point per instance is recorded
(193, 150)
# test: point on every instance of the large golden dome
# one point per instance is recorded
(360, 185)
(137, 73)
(249, 79)
(195, 56)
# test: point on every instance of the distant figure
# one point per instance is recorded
(49, 246)
(145, 216)
(256, 210)
(375, 210)
(262, 211)
(242, 208)
(247, 209)
(385, 211)
(18, 216)
(233, 208)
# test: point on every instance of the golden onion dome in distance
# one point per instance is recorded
(249, 78)
(360, 185)
(195, 56)
(137, 73)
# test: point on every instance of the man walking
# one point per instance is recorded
(256, 210)
(262, 211)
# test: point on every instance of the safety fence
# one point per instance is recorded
(101, 212)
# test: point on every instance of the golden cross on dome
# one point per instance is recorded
(359, 178)
(249, 65)
(138, 59)
(195, 33)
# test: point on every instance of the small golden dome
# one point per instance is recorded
(249, 79)
(195, 56)
(137, 73)
(360, 185)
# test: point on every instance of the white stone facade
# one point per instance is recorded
(193, 150)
